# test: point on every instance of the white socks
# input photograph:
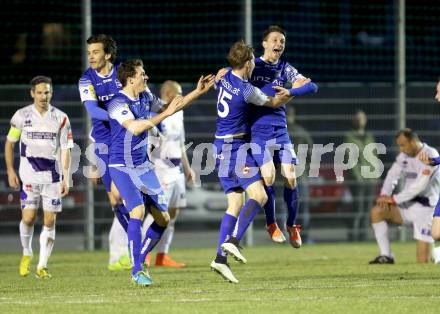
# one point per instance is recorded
(117, 241)
(26, 234)
(47, 239)
(436, 254)
(165, 241)
(381, 233)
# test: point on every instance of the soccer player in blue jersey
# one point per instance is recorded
(97, 86)
(130, 117)
(435, 229)
(235, 165)
(269, 130)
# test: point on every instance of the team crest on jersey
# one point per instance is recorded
(28, 187)
(124, 112)
(219, 156)
(27, 123)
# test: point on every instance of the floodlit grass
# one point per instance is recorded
(327, 278)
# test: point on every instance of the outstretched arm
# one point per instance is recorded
(303, 86)
(137, 127)
(254, 95)
(203, 85)
(424, 157)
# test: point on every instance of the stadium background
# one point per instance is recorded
(350, 48)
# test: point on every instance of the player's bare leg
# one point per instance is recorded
(435, 230)
(423, 251)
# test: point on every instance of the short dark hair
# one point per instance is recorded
(271, 29)
(409, 134)
(40, 79)
(110, 46)
(239, 54)
(127, 69)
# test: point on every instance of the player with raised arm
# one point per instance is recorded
(414, 204)
(97, 86)
(237, 170)
(134, 176)
(168, 154)
(43, 131)
(269, 131)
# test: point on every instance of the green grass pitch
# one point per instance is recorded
(322, 278)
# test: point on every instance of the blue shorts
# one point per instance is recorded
(101, 152)
(139, 186)
(437, 209)
(236, 168)
(275, 144)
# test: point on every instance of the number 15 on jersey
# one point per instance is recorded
(223, 97)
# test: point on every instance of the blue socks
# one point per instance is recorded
(226, 228)
(291, 199)
(122, 215)
(152, 237)
(269, 207)
(134, 231)
(250, 209)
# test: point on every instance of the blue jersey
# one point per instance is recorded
(127, 149)
(234, 96)
(265, 76)
(95, 87)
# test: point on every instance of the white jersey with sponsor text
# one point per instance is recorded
(167, 147)
(42, 137)
(421, 182)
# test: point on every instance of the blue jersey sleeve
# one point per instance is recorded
(291, 73)
(254, 95)
(309, 88)
(95, 111)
